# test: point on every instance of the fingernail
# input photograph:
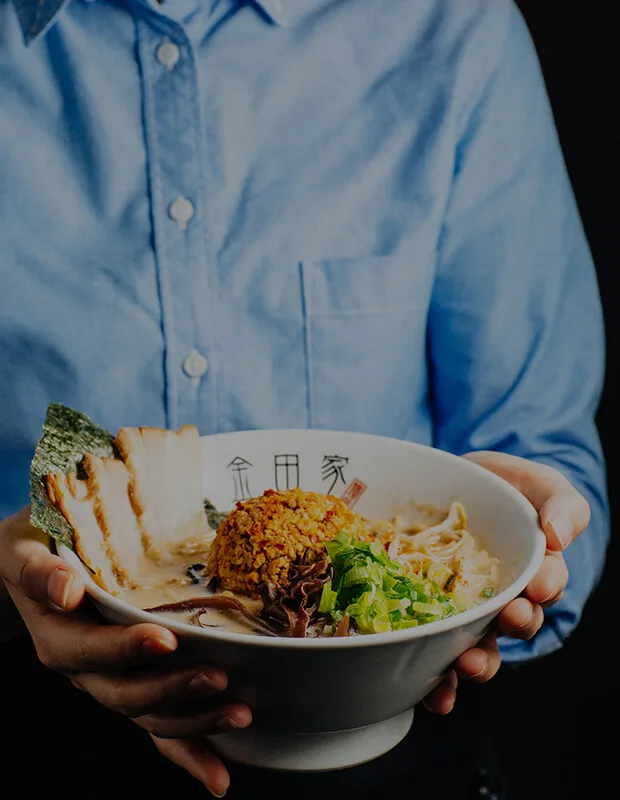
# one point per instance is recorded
(475, 675)
(59, 586)
(165, 643)
(562, 526)
(228, 723)
(215, 794)
(202, 683)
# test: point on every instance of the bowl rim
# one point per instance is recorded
(489, 608)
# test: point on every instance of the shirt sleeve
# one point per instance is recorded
(516, 345)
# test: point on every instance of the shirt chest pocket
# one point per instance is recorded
(365, 337)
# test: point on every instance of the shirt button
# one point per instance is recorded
(181, 211)
(167, 54)
(195, 364)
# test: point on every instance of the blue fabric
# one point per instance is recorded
(383, 237)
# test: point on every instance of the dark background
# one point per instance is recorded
(553, 722)
(570, 702)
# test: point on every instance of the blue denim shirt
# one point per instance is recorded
(296, 213)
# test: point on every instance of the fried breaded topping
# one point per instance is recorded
(262, 537)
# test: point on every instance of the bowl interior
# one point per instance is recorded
(384, 477)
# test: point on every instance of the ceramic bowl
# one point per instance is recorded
(328, 703)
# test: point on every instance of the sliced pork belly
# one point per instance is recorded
(71, 496)
(165, 486)
(107, 480)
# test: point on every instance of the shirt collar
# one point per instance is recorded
(36, 16)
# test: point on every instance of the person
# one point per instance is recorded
(320, 213)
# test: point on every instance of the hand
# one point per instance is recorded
(564, 514)
(123, 667)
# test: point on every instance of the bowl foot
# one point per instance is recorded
(312, 752)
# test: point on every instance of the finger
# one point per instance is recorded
(197, 758)
(441, 700)
(564, 513)
(548, 585)
(521, 619)
(480, 663)
(75, 643)
(29, 568)
(154, 691)
(563, 517)
(199, 719)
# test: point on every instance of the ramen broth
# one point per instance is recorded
(173, 582)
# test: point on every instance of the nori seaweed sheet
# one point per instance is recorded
(67, 435)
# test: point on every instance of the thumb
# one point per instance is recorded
(30, 570)
(564, 513)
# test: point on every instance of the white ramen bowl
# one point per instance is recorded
(322, 704)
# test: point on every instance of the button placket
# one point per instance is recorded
(175, 173)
